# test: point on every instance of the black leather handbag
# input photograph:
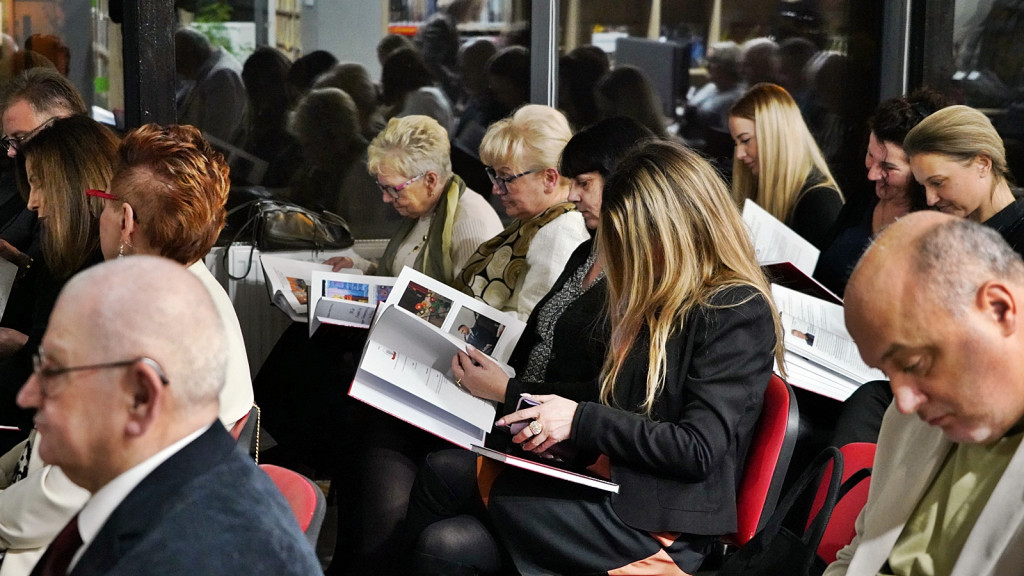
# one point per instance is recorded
(276, 225)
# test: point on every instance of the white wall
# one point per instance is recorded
(349, 29)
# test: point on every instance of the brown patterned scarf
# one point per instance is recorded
(492, 272)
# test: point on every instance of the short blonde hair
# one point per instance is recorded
(961, 133)
(787, 154)
(410, 146)
(532, 138)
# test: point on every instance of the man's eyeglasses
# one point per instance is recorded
(16, 142)
(43, 372)
(393, 191)
(502, 183)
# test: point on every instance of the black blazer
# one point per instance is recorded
(678, 471)
(207, 510)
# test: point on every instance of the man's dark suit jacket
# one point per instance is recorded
(206, 510)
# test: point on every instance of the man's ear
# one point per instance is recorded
(145, 397)
(998, 302)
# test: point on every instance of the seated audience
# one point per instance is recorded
(354, 80)
(579, 71)
(933, 304)
(895, 191)
(61, 161)
(960, 159)
(333, 174)
(265, 75)
(392, 43)
(513, 270)
(126, 406)
(307, 68)
(212, 97)
(309, 415)
(708, 108)
(686, 296)
(166, 198)
(626, 91)
(759, 61)
(778, 165)
(30, 100)
(407, 88)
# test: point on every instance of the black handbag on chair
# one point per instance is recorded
(776, 550)
(276, 225)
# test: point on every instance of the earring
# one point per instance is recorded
(120, 251)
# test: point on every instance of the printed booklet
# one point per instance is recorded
(405, 369)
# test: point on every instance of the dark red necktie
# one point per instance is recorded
(58, 556)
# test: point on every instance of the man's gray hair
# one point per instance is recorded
(46, 91)
(954, 258)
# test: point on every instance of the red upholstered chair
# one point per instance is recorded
(840, 529)
(767, 461)
(306, 499)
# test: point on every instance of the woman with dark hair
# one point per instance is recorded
(354, 80)
(407, 88)
(895, 191)
(693, 335)
(333, 175)
(579, 71)
(265, 75)
(626, 91)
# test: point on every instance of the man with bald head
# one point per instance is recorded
(934, 304)
(125, 389)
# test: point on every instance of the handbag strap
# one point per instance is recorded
(809, 480)
(255, 211)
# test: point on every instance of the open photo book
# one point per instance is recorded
(287, 281)
(821, 356)
(345, 298)
(405, 369)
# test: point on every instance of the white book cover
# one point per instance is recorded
(775, 242)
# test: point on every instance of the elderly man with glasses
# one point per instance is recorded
(126, 406)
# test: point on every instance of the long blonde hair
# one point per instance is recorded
(787, 154)
(673, 240)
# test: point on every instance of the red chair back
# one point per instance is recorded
(767, 461)
(840, 529)
(305, 498)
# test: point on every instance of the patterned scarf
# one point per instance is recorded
(492, 272)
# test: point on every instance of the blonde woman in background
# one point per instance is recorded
(960, 159)
(516, 268)
(778, 164)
